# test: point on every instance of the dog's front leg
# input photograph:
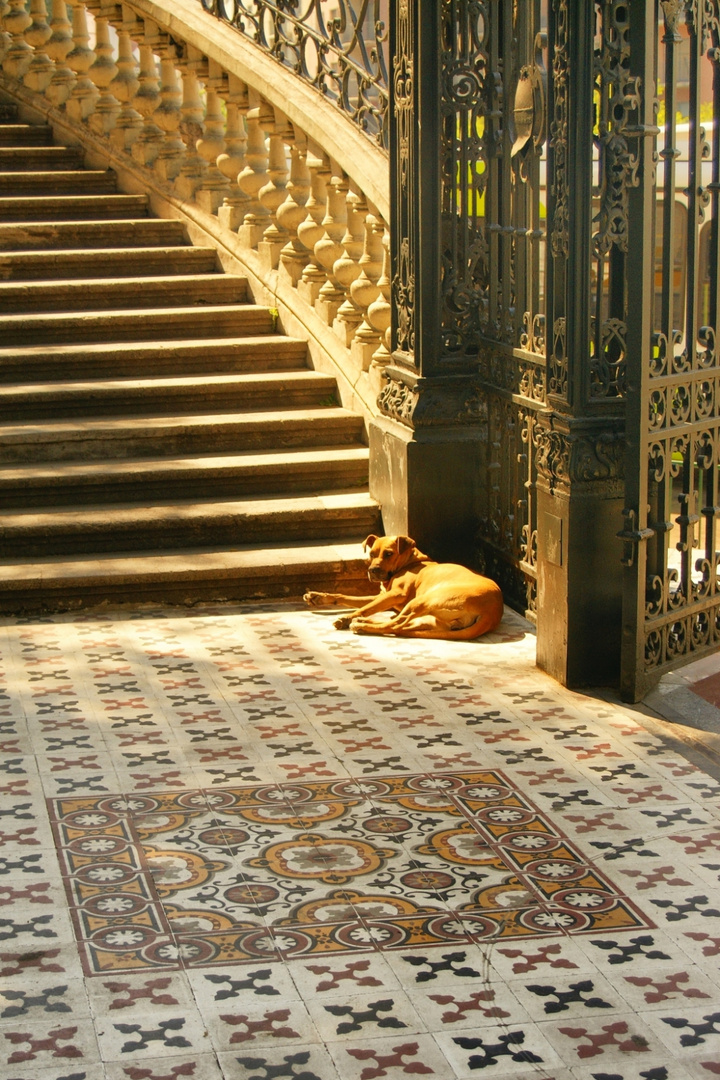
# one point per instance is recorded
(386, 601)
(324, 599)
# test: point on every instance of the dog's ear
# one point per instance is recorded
(403, 543)
(369, 541)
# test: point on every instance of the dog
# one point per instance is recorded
(430, 599)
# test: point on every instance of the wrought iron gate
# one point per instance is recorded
(505, 202)
(671, 611)
(468, 242)
(555, 251)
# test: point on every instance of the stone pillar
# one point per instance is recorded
(425, 446)
(580, 440)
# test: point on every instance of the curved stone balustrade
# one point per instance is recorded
(218, 133)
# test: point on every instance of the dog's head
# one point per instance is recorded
(388, 554)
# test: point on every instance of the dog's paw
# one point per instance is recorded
(314, 599)
(360, 626)
(343, 622)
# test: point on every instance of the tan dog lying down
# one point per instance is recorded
(432, 600)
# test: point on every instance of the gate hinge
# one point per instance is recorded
(631, 536)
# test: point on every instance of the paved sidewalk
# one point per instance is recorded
(240, 844)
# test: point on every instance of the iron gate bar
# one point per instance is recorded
(640, 269)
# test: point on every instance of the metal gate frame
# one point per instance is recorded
(671, 610)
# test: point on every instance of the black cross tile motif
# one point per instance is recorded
(575, 994)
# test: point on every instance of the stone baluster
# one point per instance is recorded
(329, 248)
(146, 147)
(232, 161)
(18, 55)
(215, 186)
(272, 194)
(125, 83)
(81, 101)
(5, 38)
(380, 311)
(311, 229)
(39, 74)
(365, 290)
(293, 211)
(346, 269)
(59, 45)
(252, 177)
(192, 114)
(102, 73)
(168, 116)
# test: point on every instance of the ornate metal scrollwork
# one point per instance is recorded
(397, 400)
(559, 228)
(607, 359)
(343, 56)
(450, 402)
(564, 459)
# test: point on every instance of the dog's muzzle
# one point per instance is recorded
(376, 573)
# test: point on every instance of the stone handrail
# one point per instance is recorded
(185, 109)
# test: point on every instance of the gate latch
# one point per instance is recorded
(529, 105)
(632, 536)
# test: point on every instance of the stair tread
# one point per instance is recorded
(118, 293)
(197, 345)
(124, 314)
(136, 252)
(239, 460)
(69, 263)
(171, 224)
(141, 425)
(29, 232)
(183, 510)
(111, 199)
(80, 176)
(80, 285)
(45, 154)
(194, 564)
(281, 379)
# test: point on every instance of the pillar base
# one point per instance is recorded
(580, 497)
(426, 483)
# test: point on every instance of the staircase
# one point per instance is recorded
(160, 440)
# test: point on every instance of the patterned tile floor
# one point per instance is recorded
(238, 844)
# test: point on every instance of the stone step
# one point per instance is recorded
(100, 440)
(326, 468)
(163, 443)
(58, 182)
(186, 524)
(139, 324)
(106, 262)
(40, 158)
(71, 207)
(52, 235)
(211, 356)
(107, 294)
(13, 134)
(238, 573)
(191, 394)
(8, 112)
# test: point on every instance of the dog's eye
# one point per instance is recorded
(386, 554)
